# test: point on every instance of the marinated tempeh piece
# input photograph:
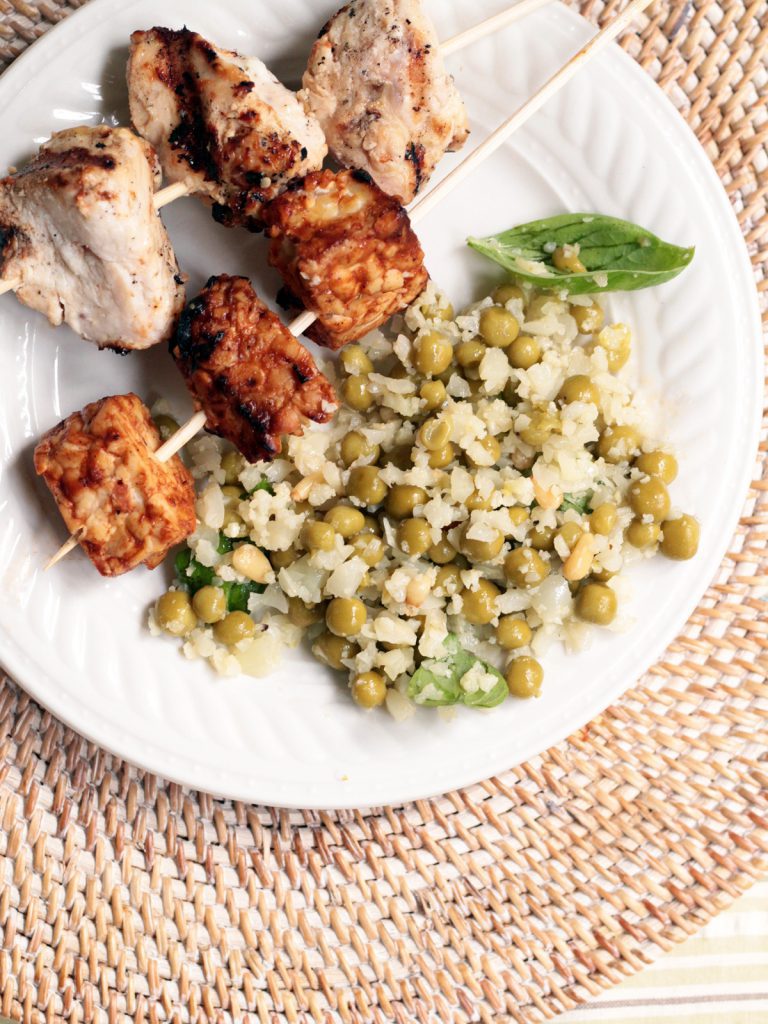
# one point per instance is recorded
(346, 251)
(222, 124)
(246, 371)
(377, 84)
(80, 234)
(99, 467)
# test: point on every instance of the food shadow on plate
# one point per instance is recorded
(113, 88)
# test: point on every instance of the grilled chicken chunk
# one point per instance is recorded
(246, 370)
(222, 124)
(347, 252)
(377, 84)
(80, 234)
(99, 468)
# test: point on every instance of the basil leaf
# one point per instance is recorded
(578, 502)
(618, 255)
(191, 574)
(441, 682)
(262, 485)
(225, 544)
(237, 594)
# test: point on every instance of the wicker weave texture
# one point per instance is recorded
(126, 898)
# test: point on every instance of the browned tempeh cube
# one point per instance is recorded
(99, 467)
(246, 371)
(346, 251)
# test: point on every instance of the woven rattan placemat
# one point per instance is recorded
(125, 897)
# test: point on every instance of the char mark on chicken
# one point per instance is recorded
(99, 466)
(377, 84)
(83, 243)
(221, 123)
(346, 252)
(246, 371)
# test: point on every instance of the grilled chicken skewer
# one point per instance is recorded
(331, 330)
(81, 241)
(325, 296)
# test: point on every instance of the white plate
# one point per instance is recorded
(611, 143)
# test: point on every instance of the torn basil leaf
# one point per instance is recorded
(578, 502)
(617, 255)
(457, 678)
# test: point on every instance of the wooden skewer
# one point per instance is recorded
(69, 545)
(424, 205)
(493, 24)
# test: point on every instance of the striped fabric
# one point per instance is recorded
(719, 976)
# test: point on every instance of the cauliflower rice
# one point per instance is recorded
(530, 500)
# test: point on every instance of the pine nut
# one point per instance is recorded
(547, 497)
(249, 561)
(579, 562)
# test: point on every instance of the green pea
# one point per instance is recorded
(524, 352)
(282, 559)
(442, 457)
(317, 536)
(579, 389)
(333, 650)
(304, 615)
(370, 548)
(434, 394)
(542, 538)
(369, 689)
(660, 464)
(237, 626)
(512, 633)
(570, 533)
(479, 605)
(469, 353)
(345, 520)
(525, 568)
(233, 464)
(166, 426)
(448, 580)
(481, 550)
(603, 519)
(618, 444)
(442, 552)
(366, 486)
(589, 319)
(346, 616)
(433, 353)
(210, 604)
(492, 450)
(355, 361)
(566, 257)
(680, 538)
(524, 677)
(414, 537)
(596, 603)
(506, 292)
(649, 497)
(642, 535)
(356, 392)
(403, 499)
(434, 434)
(355, 445)
(542, 425)
(174, 614)
(498, 327)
